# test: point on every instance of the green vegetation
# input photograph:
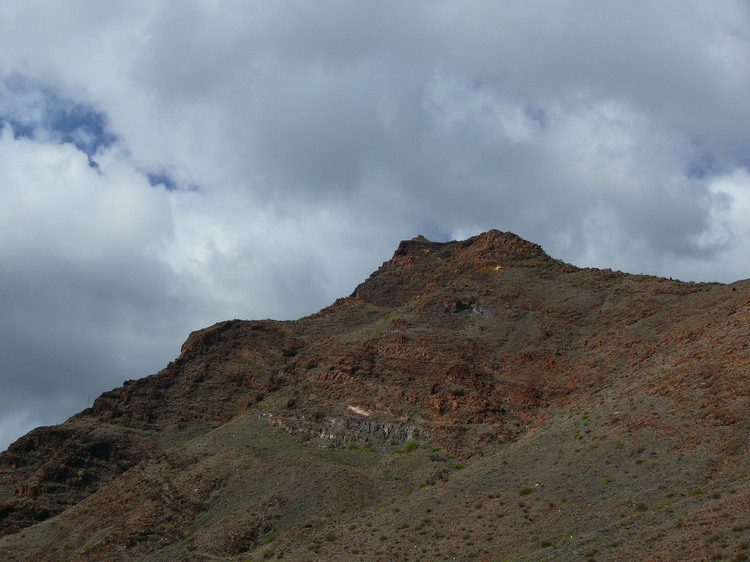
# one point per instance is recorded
(366, 448)
(408, 447)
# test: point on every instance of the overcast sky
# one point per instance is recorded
(168, 164)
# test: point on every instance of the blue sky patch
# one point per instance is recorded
(162, 178)
(39, 112)
(82, 126)
(20, 130)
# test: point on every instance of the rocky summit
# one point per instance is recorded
(471, 400)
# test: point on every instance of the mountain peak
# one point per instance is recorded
(491, 245)
(420, 263)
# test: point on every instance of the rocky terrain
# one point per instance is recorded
(471, 400)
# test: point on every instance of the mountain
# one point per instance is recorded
(471, 400)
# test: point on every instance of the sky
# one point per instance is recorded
(167, 164)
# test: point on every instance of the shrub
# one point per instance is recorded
(525, 491)
(408, 447)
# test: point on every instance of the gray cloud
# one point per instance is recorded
(300, 142)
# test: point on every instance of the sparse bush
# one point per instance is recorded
(408, 447)
(525, 491)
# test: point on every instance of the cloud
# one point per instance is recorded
(77, 276)
(165, 165)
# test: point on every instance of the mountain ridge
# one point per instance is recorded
(450, 363)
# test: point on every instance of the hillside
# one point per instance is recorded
(471, 400)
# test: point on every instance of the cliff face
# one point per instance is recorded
(483, 367)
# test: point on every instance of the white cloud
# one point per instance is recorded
(304, 141)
